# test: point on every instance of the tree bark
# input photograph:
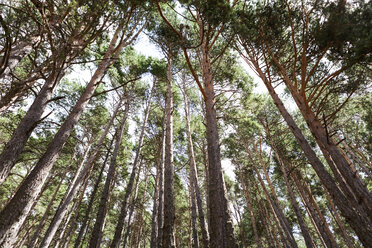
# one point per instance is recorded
(358, 221)
(220, 227)
(169, 212)
(96, 238)
(123, 211)
(15, 212)
(194, 184)
(250, 209)
(92, 196)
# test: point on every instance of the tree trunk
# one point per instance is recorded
(161, 161)
(15, 212)
(39, 227)
(169, 212)
(272, 199)
(194, 184)
(220, 227)
(95, 240)
(92, 196)
(296, 207)
(132, 206)
(316, 216)
(123, 211)
(63, 207)
(250, 209)
(358, 221)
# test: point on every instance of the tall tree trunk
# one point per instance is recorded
(132, 206)
(358, 221)
(39, 227)
(250, 209)
(169, 211)
(154, 215)
(296, 207)
(95, 240)
(15, 212)
(63, 206)
(142, 205)
(161, 161)
(273, 199)
(123, 211)
(220, 227)
(92, 196)
(314, 211)
(194, 184)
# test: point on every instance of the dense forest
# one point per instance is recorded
(189, 123)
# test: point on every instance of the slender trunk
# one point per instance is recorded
(358, 221)
(194, 184)
(250, 209)
(132, 206)
(220, 227)
(169, 212)
(273, 199)
(274, 233)
(39, 227)
(15, 212)
(317, 214)
(296, 207)
(154, 215)
(194, 228)
(139, 234)
(63, 207)
(96, 237)
(123, 211)
(161, 185)
(92, 196)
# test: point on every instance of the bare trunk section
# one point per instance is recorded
(194, 184)
(161, 185)
(62, 208)
(313, 209)
(168, 240)
(273, 199)
(124, 205)
(92, 196)
(296, 207)
(39, 227)
(220, 227)
(132, 206)
(250, 209)
(17, 209)
(96, 238)
(358, 221)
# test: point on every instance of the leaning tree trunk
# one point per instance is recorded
(296, 207)
(168, 240)
(358, 221)
(123, 211)
(84, 169)
(17, 209)
(95, 240)
(92, 196)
